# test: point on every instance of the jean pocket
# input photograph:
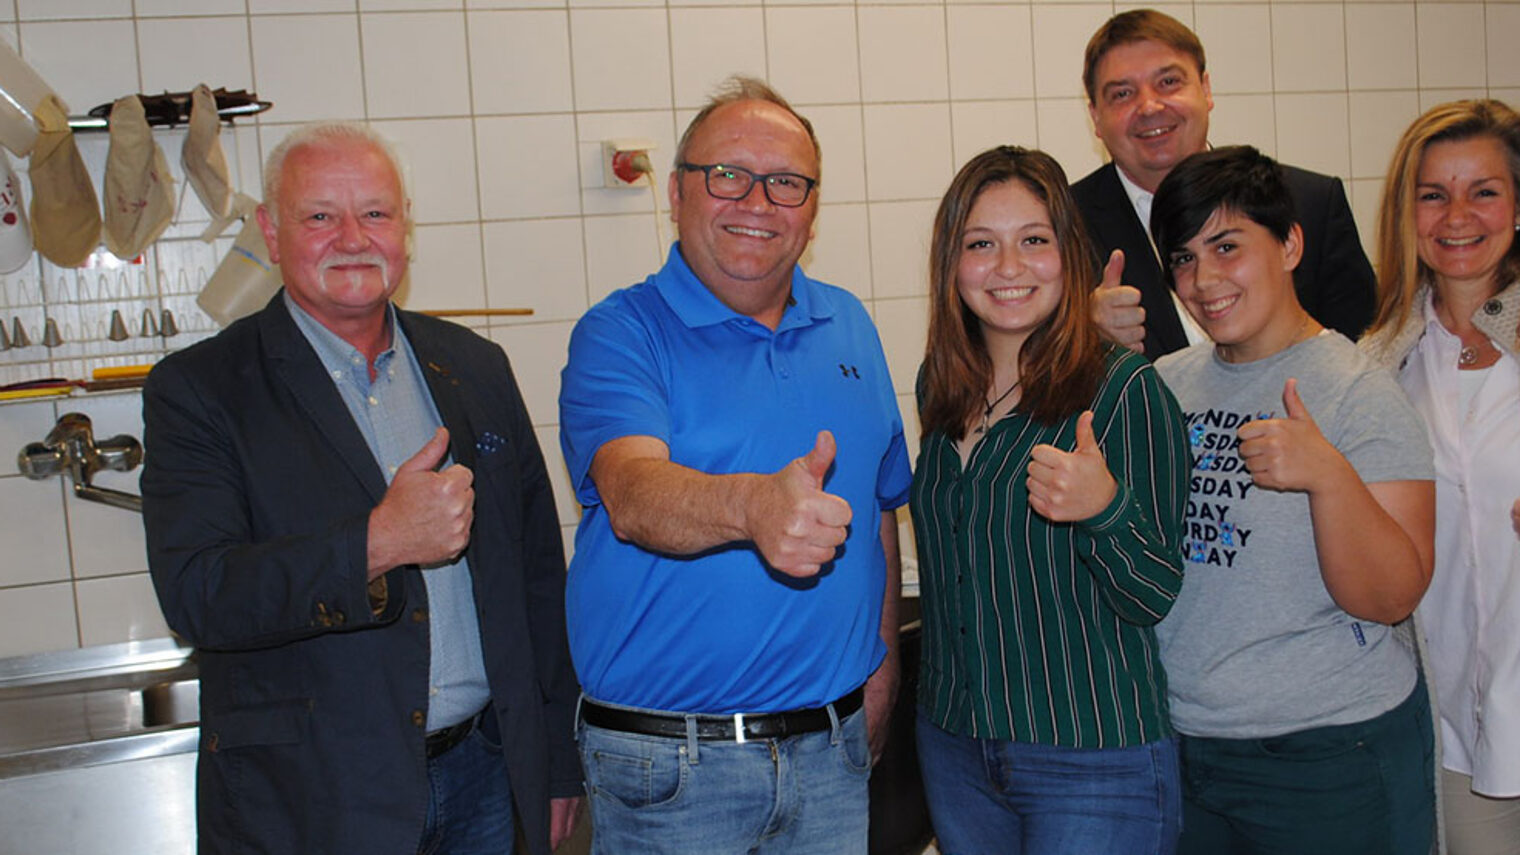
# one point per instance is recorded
(491, 740)
(1320, 743)
(855, 744)
(637, 773)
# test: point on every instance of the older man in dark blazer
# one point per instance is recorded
(348, 514)
(1149, 98)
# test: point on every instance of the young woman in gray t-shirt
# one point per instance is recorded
(1304, 723)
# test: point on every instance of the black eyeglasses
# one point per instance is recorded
(784, 189)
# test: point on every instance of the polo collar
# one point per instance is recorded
(696, 306)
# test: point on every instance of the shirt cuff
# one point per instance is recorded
(1112, 515)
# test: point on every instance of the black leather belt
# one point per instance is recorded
(739, 727)
(441, 740)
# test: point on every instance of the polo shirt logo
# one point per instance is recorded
(849, 371)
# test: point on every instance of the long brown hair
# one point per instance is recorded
(1061, 362)
(1400, 271)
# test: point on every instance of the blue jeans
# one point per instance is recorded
(999, 797)
(802, 795)
(469, 800)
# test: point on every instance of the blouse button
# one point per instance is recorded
(1493, 307)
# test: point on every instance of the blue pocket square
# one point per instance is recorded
(489, 442)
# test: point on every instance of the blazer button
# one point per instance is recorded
(418, 718)
(1493, 307)
(338, 618)
(419, 615)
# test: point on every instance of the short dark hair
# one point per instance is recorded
(1235, 178)
(1137, 25)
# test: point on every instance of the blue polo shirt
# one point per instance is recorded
(721, 632)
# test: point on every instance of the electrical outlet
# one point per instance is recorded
(620, 166)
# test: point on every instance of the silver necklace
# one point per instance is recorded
(991, 405)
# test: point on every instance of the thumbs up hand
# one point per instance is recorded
(796, 525)
(1288, 453)
(1116, 307)
(1070, 486)
(425, 516)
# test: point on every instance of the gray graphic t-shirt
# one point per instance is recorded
(1255, 646)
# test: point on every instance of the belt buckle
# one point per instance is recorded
(739, 737)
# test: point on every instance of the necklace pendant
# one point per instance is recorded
(1468, 356)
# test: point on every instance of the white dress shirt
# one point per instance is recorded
(1471, 613)
(1140, 199)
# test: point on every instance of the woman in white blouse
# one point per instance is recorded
(1449, 324)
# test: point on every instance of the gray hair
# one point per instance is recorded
(318, 134)
(739, 87)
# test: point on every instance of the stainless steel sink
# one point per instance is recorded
(82, 701)
(97, 750)
(174, 703)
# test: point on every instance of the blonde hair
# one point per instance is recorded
(1400, 271)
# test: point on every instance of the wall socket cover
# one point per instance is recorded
(616, 169)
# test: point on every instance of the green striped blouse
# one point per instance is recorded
(1041, 632)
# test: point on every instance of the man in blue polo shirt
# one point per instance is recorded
(732, 434)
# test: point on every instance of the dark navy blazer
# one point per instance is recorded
(257, 490)
(1334, 281)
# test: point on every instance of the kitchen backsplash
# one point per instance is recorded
(501, 106)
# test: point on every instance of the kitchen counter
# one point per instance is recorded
(97, 751)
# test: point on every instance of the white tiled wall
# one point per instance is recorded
(501, 106)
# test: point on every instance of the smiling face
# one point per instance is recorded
(1465, 211)
(1236, 279)
(1151, 109)
(1009, 269)
(744, 250)
(340, 238)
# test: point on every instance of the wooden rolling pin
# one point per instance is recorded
(473, 313)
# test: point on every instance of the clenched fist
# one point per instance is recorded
(1116, 307)
(796, 525)
(426, 515)
(1288, 453)
(1070, 486)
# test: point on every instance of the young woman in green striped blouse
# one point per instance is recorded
(1047, 501)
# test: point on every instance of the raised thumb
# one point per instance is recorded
(1113, 271)
(430, 455)
(818, 461)
(1086, 441)
(1293, 405)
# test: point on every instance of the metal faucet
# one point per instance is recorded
(70, 448)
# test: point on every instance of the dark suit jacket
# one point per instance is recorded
(257, 490)
(1334, 281)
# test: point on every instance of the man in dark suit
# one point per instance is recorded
(379, 674)
(1149, 98)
